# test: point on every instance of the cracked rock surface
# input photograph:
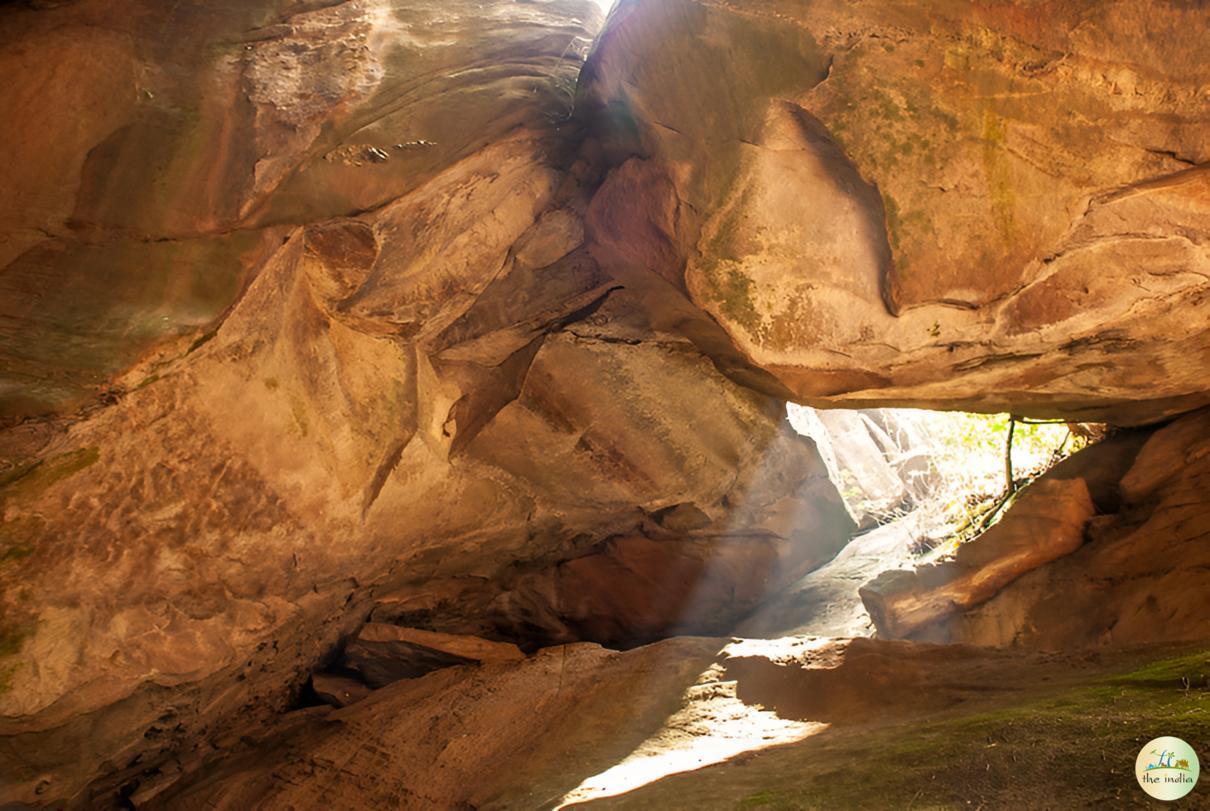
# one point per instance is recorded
(418, 397)
(952, 205)
(314, 314)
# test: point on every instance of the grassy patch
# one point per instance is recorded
(760, 799)
(1073, 749)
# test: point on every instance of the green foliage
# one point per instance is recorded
(1074, 744)
(970, 459)
(37, 477)
(760, 799)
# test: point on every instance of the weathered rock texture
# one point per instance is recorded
(332, 311)
(987, 207)
(528, 731)
(381, 654)
(153, 153)
(415, 382)
(879, 458)
(523, 736)
(339, 691)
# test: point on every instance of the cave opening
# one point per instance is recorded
(394, 403)
(918, 484)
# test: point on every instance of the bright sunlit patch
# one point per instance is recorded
(605, 5)
(948, 465)
(712, 727)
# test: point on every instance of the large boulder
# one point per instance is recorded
(957, 205)
(381, 654)
(1044, 524)
(508, 735)
(154, 155)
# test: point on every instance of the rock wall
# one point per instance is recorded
(416, 393)
(1141, 576)
(1063, 573)
(315, 313)
(951, 205)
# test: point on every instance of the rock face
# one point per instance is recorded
(148, 175)
(950, 205)
(579, 723)
(339, 691)
(524, 734)
(382, 654)
(416, 394)
(879, 458)
(319, 313)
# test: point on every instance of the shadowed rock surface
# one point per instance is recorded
(381, 654)
(425, 383)
(318, 314)
(1133, 573)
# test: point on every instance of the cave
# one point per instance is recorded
(536, 404)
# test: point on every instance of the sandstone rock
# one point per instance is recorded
(886, 204)
(578, 724)
(472, 388)
(382, 654)
(1102, 467)
(417, 376)
(513, 735)
(637, 589)
(1137, 580)
(858, 681)
(339, 691)
(878, 458)
(151, 153)
(1141, 577)
(1045, 523)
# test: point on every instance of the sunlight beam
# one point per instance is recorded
(712, 726)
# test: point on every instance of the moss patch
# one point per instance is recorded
(998, 173)
(735, 299)
(42, 475)
(1077, 747)
(1073, 747)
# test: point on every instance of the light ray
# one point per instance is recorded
(712, 726)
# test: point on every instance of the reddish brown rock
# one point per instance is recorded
(361, 334)
(1141, 577)
(152, 154)
(522, 735)
(382, 654)
(339, 691)
(418, 375)
(1045, 523)
(647, 728)
(892, 202)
